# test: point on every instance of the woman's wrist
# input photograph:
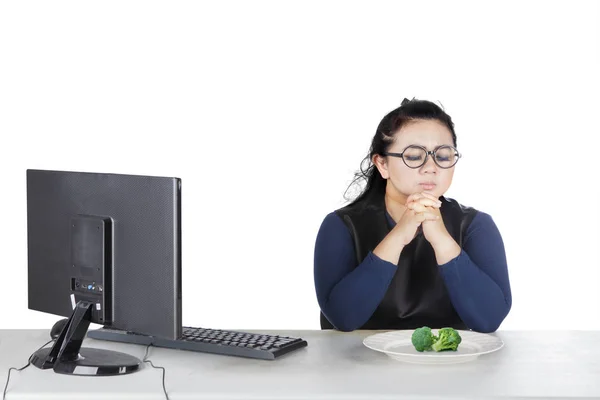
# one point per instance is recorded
(446, 250)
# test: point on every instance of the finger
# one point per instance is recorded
(413, 217)
(417, 206)
(427, 202)
(426, 216)
(422, 219)
(413, 197)
(431, 196)
(422, 196)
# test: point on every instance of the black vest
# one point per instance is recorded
(417, 294)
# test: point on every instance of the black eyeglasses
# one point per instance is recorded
(416, 156)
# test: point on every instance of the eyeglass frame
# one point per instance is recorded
(427, 154)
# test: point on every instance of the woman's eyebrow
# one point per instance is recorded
(435, 147)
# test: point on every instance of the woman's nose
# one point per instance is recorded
(430, 165)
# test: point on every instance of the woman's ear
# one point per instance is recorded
(381, 164)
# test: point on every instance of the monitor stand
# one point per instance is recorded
(68, 357)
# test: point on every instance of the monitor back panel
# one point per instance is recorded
(143, 223)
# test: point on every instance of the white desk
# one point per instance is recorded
(335, 365)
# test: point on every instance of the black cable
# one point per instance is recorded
(153, 366)
(45, 344)
(21, 369)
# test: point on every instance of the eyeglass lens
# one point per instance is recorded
(445, 156)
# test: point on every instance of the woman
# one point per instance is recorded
(402, 255)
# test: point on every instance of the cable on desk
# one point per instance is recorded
(22, 368)
(153, 366)
(50, 341)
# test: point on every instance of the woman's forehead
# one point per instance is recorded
(429, 134)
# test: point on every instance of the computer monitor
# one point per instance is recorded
(105, 249)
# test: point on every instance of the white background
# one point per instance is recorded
(265, 110)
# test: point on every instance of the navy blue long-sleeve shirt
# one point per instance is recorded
(477, 279)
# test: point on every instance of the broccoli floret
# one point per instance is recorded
(447, 339)
(422, 338)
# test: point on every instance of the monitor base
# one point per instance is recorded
(91, 361)
(67, 356)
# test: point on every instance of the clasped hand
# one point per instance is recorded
(426, 210)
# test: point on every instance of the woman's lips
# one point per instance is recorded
(427, 185)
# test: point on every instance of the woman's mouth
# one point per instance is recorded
(427, 185)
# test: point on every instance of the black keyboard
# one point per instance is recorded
(253, 345)
(216, 341)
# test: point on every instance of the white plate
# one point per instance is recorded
(398, 345)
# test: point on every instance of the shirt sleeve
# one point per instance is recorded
(348, 294)
(477, 279)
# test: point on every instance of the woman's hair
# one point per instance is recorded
(409, 110)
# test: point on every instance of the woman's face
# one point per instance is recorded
(405, 181)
